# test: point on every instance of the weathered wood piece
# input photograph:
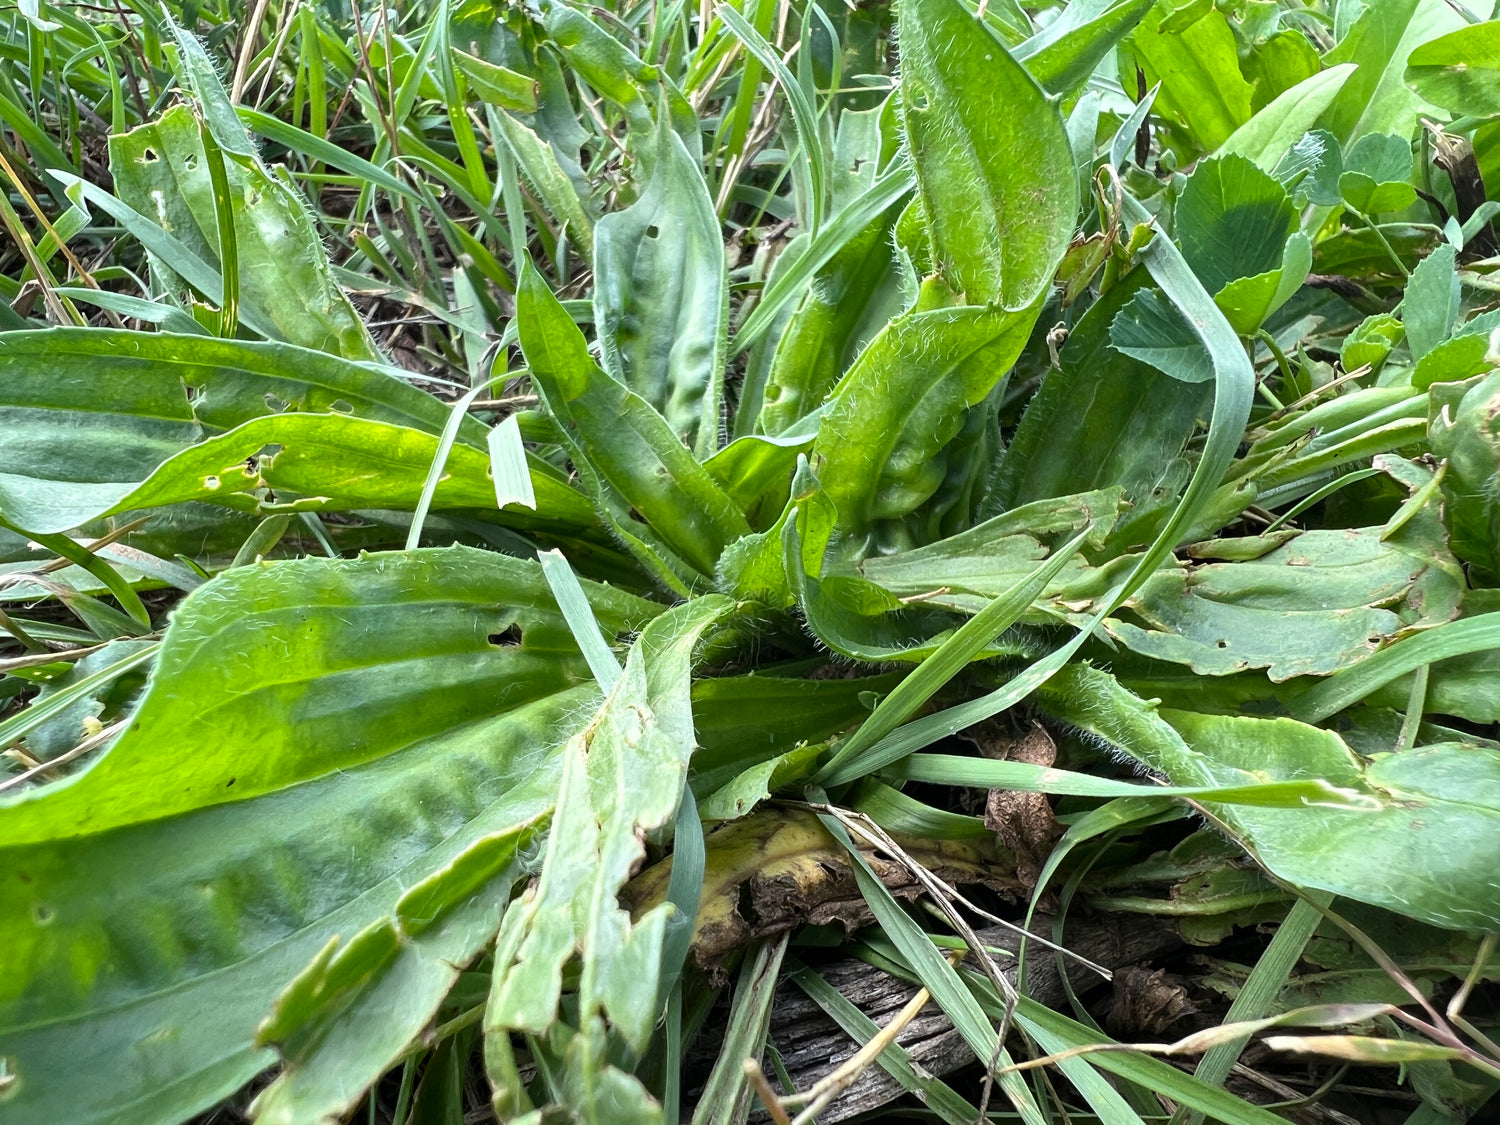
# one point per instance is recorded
(811, 1044)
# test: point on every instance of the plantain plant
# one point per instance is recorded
(775, 429)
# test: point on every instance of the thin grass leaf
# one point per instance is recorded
(1349, 686)
(804, 113)
(580, 618)
(936, 974)
(1024, 777)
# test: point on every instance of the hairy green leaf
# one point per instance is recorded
(994, 168)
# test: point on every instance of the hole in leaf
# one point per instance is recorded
(190, 161)
(230, 783)
(509, 638)
(653, 231)
(341, 406)
(746, 904)
(193, 393)
(268, 451)
(148, 156)
(211, 482)
(274, 404)
(1223, 644)
(919, 101)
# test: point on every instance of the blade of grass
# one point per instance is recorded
(1442, 642)
(575, 608)
(1258, 993)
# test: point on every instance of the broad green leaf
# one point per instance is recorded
(624, 439)
(963, 571)
(1370, 342)
(1234, 387)
(196, 71)
(1102, 419)
(1431, 306)
(622, 778)
(1462, 686)
(1455, 360)
(558, 193)
(745, 721)
(422, 700)
(161, 170)
(1280, 62)
(1232, 221)
(345, 668)
(1480, 633)
(1267, 137)
(1199, 72)
(328, 462)
(1376, 99)
(994, 169)
(497, 85)
(757, 473)
(1317, 603)
(1311, 168)
(142, 398)
(756, 784)
(1426, 851)
(879, 451)
(955, 653)
(853, 616)
(1152, 330)
(620, 75)
(1463, 429)
(353, 1012)
(661, 299)
(789, 285)
(1249, 301)
(1459, 71)
(1376, 173)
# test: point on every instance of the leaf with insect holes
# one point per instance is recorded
(421, 701)
(161, 170)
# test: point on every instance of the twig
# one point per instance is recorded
(82, 748)
(763, 1091)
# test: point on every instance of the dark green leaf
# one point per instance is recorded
(624, 439)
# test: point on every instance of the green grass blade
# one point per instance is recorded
(580, 618)
(1347, 687)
